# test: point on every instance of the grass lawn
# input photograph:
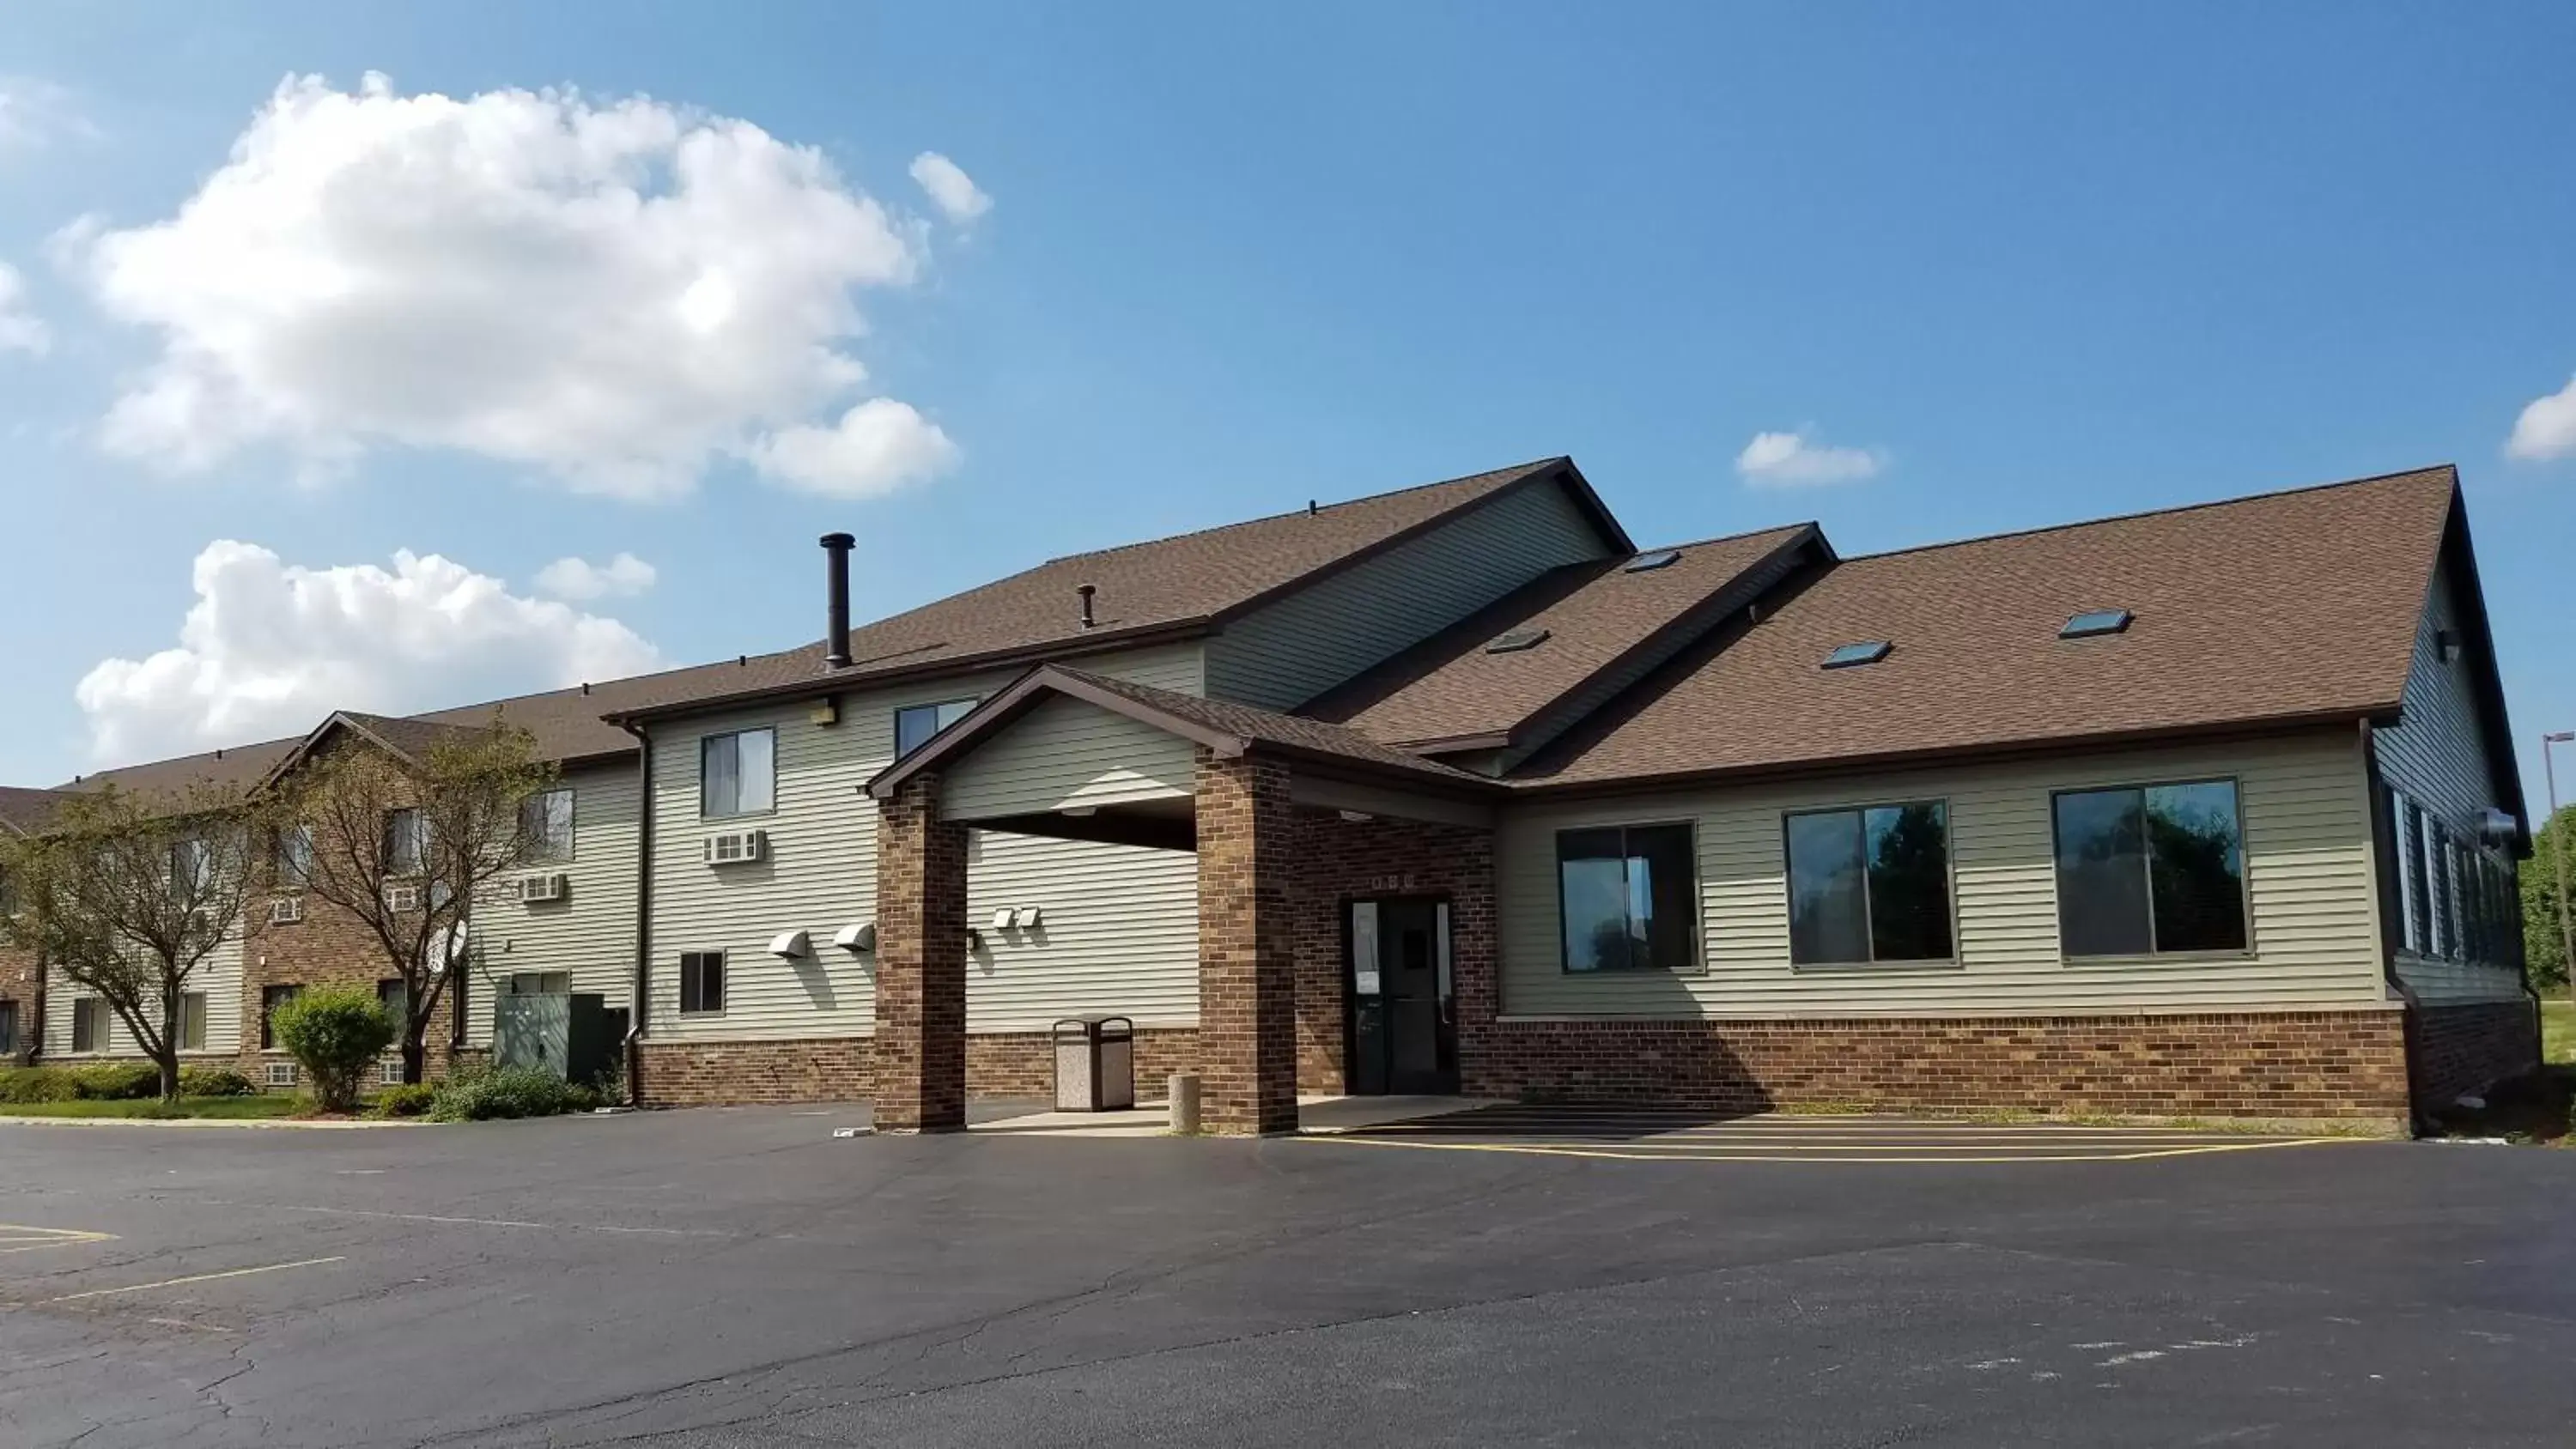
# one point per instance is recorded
(2558, 1031)
(234, 1109)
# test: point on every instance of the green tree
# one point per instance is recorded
(2544, 939)
(335, 1034)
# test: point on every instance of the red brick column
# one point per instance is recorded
(921, 963)
(1247, 947)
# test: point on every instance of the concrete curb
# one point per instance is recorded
(250, 1123)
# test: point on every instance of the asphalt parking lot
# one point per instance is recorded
(742, 1277)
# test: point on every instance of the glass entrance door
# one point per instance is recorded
(1404, 1021)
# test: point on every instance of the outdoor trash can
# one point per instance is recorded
(1095, 1064)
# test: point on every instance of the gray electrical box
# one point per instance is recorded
(572, 1035)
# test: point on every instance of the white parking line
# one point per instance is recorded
(192, 1278)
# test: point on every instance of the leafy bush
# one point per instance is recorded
(478, 1094)
(37, 1084)
(336, 1034)
(117, 1081)
(413, 1099)
(215, 1082)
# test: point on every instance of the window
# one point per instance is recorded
(738, 774)
(1646, 563)
(2437, 885)
(540, 983)
(2419, 891)
(914, 726)
(2094, 621)
(701, 982)
(1868, 651)
(270, 999)
(1869, 885)
(192, 1021)
(1516, 641)
(192, 866)
(394, 995)
(2150, 871)
(89, 1024)
(8, 1028)
(406, 842)
(294, 855)
(546, 820)
(1627, 893)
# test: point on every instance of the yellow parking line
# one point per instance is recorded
(1766, 1153)
(15, 1238)
(192, 1278)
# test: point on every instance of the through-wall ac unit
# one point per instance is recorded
(281, 1074)
(2498, 827)
(286, 911)
(737, 847)
(552, 886)
(402, 897)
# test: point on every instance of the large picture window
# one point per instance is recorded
(914, 726)
(738, 774)
(1628, 896)
(2153, 870)
(1869, 885)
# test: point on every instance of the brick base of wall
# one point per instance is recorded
(2287, 1065)
(2465, 1049)
(839, 1069)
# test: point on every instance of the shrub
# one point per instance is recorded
(413, 1099)
(117, 1081)
(336, 1034)
(479, 1094)
(37, 1084)
(215, 1082)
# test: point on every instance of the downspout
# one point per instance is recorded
(2384, 868)
(642, 997)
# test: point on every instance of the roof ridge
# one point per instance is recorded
(1729, 537)
(1532, 464)
(2451, 468)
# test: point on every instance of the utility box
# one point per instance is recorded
(1095, 1064)
(572, 1035)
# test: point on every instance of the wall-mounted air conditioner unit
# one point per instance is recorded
(551, 886)
(281, 1074)
(2498, 827)
(286, 911)
(737, 847)
(402, 897)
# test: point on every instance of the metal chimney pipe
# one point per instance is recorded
(836, 594)
(1086, 591)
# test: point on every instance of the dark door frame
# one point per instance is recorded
(1447, 1025)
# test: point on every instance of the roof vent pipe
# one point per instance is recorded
(1086, 591)
(836, 595)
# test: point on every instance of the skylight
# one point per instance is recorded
(1868, 651)
(1516, 641)
(2095, 621)
(1646, 563)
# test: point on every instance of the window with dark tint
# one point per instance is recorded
(2094, 621)
(546, 820)
(702, 981)
(406, 842)
(270, 999)
(1627, 895)
(1869, 885)
(738, 774)
(2419, 890)
(914, 725)
(395, 997)
(2437, 882)
(1868, 651)
(8, 1028)
(2150, 871)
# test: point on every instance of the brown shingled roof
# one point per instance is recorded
(1595, 614)
(2289, 606)
(28, 811)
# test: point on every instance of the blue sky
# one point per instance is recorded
(1999, 266)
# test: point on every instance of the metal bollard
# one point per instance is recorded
(1182, 1092)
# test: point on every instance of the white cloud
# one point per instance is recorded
(877, 447)
(2547, 428)
(20, 330)
(614, 293)
(950, 188)
(1800, 460)
(580, 579)
(271, 648)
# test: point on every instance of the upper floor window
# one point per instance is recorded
(2151, 870)
(738, 774)
(1627, 893)
(545, 819)
(192, 865)
(1870, 885)
(915, 724)
(406, 842)
(294, 856)
(394, 994)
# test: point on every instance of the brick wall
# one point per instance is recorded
(921, 963)
(1247, 945)
(839, 1069)
(2467, 1049)
(1022, 1063)
(329, 947)
(1337, 861)
(2246, 1064)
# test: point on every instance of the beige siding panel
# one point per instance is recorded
(1117, 932)
(2436, 756)
(821, 871)
(219, 977)
(2304, 807)
(1069, 753)
(591, 932)
(1281, 656)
